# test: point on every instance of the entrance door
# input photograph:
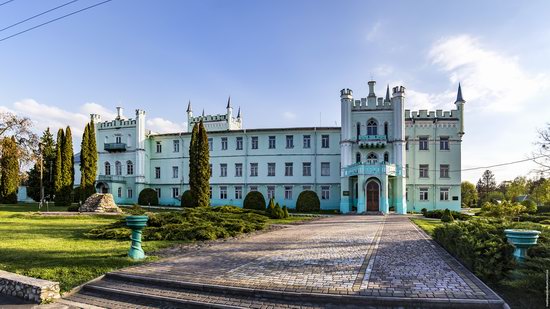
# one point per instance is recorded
(373, 193)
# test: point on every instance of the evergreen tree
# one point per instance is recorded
(68, 166)
(193, 165)
(92, 162)
(48, 159)
(203, 168)
(485, 185)
(9, 163)
(88, 162)
(58, 175)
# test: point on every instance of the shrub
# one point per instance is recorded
(530, 206)
(505, 209)
(76, 195)
(480, 244)
(271, 207)
(447, 216)
(135, 210)
(308, 201)
(254, 200)
(285, 212)
(438, 214)
(187, 199)
(73, 208)
(424, 211)
(543, 209)
(277, 212)
(148, 197)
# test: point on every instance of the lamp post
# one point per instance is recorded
(40, 150)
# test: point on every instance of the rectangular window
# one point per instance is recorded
(254, 142)
(289, 141)
(444, 170)
(288, 169)
(407, 194)
(407, 170)
(423, 194)
(224, 143)
(210, 144)
(406, 143)
(423, 143)
(118, 139)
(129, 168)
(444, 194)
(119, 192)
(288, 192)
(324, 141)
(157, 172)
(423, 168)
(306, 188)
(325, 192)
(223, 192)
(223, 170)
(270, 192)
(175, 172)
(325, 168)
(158, 192)
(107, 168)
(270, 169)
(159, 147)
(306, 169)
(238, 193)
(240, 143)
(307, 141)
(272, 142)
(253, 169)
(130, 193)
(253, 188)
(443, 143)
(176, 144)
(175, 192)
(238, 170)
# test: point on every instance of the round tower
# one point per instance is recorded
(346, 101)
(398, 106)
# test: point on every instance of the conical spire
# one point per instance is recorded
(229, 102)
(189, 107)
(388, 94)
(239, 113)
(203, 112)
(459, 94)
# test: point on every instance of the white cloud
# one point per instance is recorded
(492, 80)
(373, 32)
(160, 125)
(382, 71)
(289, 115)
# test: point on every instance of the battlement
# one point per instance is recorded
(346, 93)
(424, 114)
(116, 124)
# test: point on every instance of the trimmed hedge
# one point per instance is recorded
(148, 197)
(438, 214)
(447, 216)
(254, 200)
(308, 201)
(187, 199)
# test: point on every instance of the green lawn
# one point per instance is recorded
(291, 219)
(54, 247)
(428, 225)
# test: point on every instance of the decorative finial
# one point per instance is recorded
(189, 107)
(388, 93)
(459, 94)
(239, 113)
(203, 112)
(229, 102)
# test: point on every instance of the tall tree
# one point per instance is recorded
(47, 147)
(92, 149)
(516, 188)
(203, 168)
(58, 175)
(542, 154)
(88, 161)
(193, 165)
(541, 193)
(9, 163)
(21, 129)
(68, 166)
(469, 194)
(485, 185)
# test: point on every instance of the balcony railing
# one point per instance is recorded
(372, 141)
(114, 147)
(363, 168)
(112, 178)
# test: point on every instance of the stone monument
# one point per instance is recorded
(99, 202)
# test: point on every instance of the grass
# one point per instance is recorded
(54, 248)
(428, 225)
(289, 220)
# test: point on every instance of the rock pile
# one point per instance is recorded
(99, 202)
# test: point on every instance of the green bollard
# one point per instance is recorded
(137, 224)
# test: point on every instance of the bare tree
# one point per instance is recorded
(21, 129)
(542, 154)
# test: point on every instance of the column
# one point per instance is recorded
(361, 198)
(345, 205)
(384, 202)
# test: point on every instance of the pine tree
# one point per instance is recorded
(203, 168)
(58, 175)
(193, 165)
(88, 162)
(68, 166)
(9, 163)
(92, 162)
(47, 147)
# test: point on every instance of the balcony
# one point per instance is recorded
(372, 141)
(111, 178)
(363, 168)
(114, 147)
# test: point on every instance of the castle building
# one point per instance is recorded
(383, 157)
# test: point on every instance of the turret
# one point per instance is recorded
(460, 107)
(229, 108)
(95, 118)
(189, 116)
(119, 111)
(399, 154)
(371, 98)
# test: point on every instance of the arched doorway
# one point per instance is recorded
(102, 187)
(373, 195)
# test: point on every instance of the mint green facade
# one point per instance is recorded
(371, 163)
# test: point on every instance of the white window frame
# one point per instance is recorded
(424, 194)
(423, 171)
(444, 194)
(325, 141)
(239, 143)
(325, 168)
(224, 143)
(175, 172)
(271, 169)
(253, 169)
(270, 192)
(176, 144)
(223, 169)
(157, 172)
(238, 192)
(288, 192)
(307, 141)
(325, 192)
(223, 192)
(306, 169)
(289, 169)
(254, 142)
(238, 170)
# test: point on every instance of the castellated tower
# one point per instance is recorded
(346, 142)
(399, 154)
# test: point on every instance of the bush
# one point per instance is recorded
(271, 207)
(135, 210)
(530, 206)
(148, 197)
(254, 200)
(73, 208)
(424, 211)
(278, 213)
(308, 201)
(543, 209)
(447, 216)
(438, 214)
(187, 199)
(480, 244)
(285, 212)
(76, 195)
(505, 210)
(534, 218)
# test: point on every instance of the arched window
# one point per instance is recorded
(386, 157)
(107, 168)
(129, 167)
(358, 130)
(357, 157)
(118, 168)
(372, 158)
(372, 127)
(386, 129)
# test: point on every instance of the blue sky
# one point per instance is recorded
(284, 62)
